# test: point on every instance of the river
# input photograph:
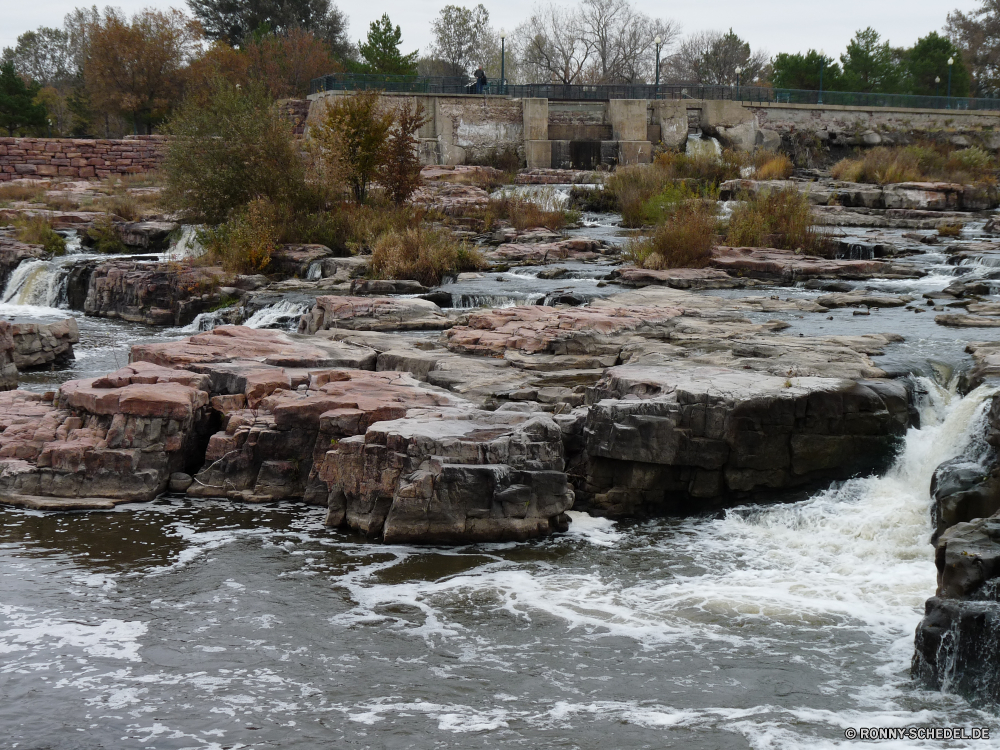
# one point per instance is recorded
(209, 625)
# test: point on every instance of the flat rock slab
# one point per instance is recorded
(770, 263)
(449, 198)
(967, 321)
(374, 314)
(548, 252)
(681, 278)
(36, 502)
(241, 344)
(541, 329)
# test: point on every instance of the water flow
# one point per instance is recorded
(700, 145)
(186, 245)
(284, 314)
(40, 283)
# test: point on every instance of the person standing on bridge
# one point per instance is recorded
(481, 80)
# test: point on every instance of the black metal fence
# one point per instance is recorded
(604, 92)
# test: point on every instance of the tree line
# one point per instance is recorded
(105, 73)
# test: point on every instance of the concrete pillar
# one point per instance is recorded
(535, 115)
(628, 119)
(538, 154)
(673, 120)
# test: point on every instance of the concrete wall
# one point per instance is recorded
(37, 158)
(462, 127)
(561, 134)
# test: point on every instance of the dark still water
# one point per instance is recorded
(212, 625)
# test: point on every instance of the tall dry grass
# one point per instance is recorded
(775, 218)
(426, 255)
(683, 240)
(884, 165)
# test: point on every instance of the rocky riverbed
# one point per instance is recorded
(593, 453)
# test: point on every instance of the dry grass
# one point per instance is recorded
(886, 165)
(22, 192)
(683, 240)
(772, 166)
(949, 230)
(426, 255)
(37, 230)
(524, 214)
(775, 218)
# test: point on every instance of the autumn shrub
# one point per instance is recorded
(949, 230)
(37, 230)
(772, 166)
(632, 186)
(775, 218)
(593, 198)
(244, 243)
(400, 172)
(352, 135)
(234, 149)
(426, 255)
(683, 240)
(885, 165)
(347, 228)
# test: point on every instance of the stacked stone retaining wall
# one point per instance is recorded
(40, 158)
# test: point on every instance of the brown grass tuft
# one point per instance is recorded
(684, 240)
(775, 218)
(426, 255)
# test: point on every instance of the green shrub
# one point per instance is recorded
(236, 148)
(683, 240)
(37, 230)
(596, 199)
(426, 255)
(103, 236)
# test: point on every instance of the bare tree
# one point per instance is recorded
(460, 35)
(712, 57)
(977, 34)
(622, 40)
(553, 45)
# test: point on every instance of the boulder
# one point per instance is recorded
(12, 253)
(298, 260)
(38, 346)
(684, 438)
(579, 249)
(451, 199)
(8, 370)
(153, 236)
(789, 266)
(447, 477)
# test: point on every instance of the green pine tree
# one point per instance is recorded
(18, 111)
(380, 53)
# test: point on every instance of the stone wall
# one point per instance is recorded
(37, 158)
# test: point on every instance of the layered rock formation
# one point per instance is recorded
(37, 345)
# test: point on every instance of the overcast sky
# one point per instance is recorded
(775, 25)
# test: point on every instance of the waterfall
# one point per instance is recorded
(186, 245)
(315, 272)
(279, 315)
(856, 251)
(699, 145)
(470, 301)
(41, 283)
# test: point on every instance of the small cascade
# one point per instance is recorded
(284, 314)
(205, 321)
(315, 272)
(700, 145)
(471, 301)
(856, 251)
(988, 261)
(41, 283)
(186, 245)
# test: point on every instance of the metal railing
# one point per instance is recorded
(604, 92)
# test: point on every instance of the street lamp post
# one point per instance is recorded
(658, 41)
(738, 71)
(822, 64)
(951, 61)
(503, 61)
(937, 86)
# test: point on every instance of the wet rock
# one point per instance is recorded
(153, 236)
(37, 345)
(451, 477)
(8, 370)
(375, 287)
(953, 320)
(13, 252)
(373, 314)
(681, 278)
(963, 490)
(179, 481)
(142, 422)
(297, 260)
(788, 266)
(579, 249)
(159, 294)
(683, 439)
(247, 349)
(864, 299)
(450, 199)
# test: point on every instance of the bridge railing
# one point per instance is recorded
(605, 92)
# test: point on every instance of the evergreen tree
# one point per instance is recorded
(798, 71)
(380, 52)
(18, 110)
(870, 64)
(928, 58)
